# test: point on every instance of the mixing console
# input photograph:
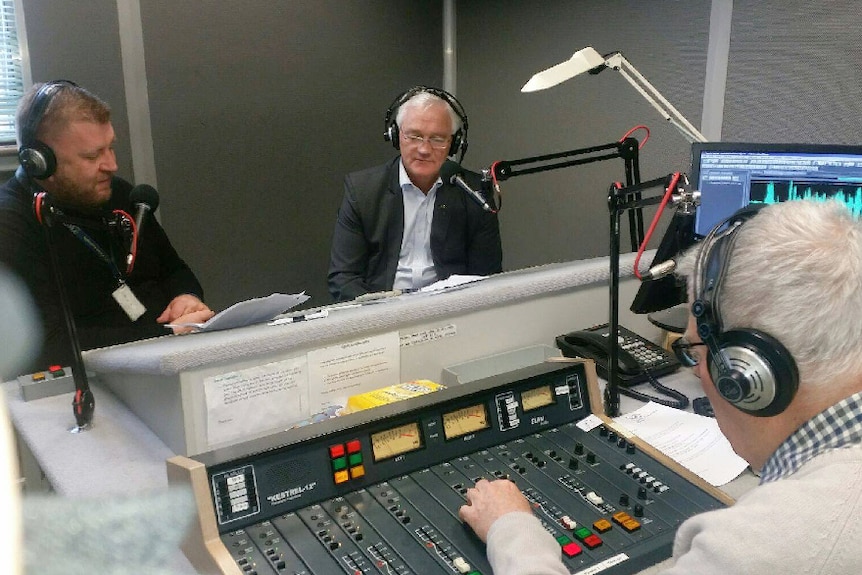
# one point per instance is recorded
(379, 491)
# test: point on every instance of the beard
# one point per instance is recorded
(72, 193)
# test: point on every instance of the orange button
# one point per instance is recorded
(602, 525)
(631, 525)
(340, 476)
(353, 446)
(357, 471)
(620, 517)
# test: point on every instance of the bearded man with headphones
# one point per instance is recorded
(774, 338)
(120, 285)
(403, 226)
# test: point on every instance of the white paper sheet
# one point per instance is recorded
(246, 402)
(692, 440)
(339, 371)
(249, 312)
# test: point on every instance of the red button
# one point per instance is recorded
(572, 549)
(353, 446)
(593, 541)
(336, 451)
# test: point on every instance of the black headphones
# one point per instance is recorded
(37, 158)
(750, 369)
(459, 138)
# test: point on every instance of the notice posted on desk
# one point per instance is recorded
(339, 371)
(244, 403)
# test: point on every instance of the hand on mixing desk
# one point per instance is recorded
(490, 500)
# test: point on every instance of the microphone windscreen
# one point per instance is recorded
(450, 169)
(145, 194)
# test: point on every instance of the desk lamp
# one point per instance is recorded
(588, 60)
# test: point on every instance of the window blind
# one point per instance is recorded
(11, 78)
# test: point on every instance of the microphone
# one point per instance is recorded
(451, 172)
(659, 271)
(145, 199)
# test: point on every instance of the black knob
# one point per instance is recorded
(603, 431)
(573, 463)
(630, 447)
(642, 493)
(612, 436)
(624, 499)
(591, 457)
(639, 510)
(579, 448)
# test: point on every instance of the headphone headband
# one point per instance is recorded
(459, 138)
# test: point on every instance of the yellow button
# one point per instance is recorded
(357, 471)
(340, 476)
(631, 525)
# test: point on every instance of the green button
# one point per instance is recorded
(339, 463)
(563, 540)
(355, 459)
(582, 533)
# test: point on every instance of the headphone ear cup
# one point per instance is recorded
(457, 143)
(38, 160)
(761, 377)
(393, 135)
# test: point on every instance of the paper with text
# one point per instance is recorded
(337, 372)
(246, 402)
(692, 440)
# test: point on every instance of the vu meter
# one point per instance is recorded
(463, 421)
(396, 441)
(536, 398)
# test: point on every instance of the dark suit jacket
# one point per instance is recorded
(465, 239)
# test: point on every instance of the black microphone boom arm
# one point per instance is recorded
(626, 149)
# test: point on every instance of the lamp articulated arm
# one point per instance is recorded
(589, 60)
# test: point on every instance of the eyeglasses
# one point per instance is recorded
(436, 142)
(684, 352)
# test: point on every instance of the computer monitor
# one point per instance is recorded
(730, 176)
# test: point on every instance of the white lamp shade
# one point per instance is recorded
(582, 61)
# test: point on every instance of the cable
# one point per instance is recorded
(633, 130)
(680, 400)
(133, 249)
(667, 195)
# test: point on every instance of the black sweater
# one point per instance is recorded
(158, 276)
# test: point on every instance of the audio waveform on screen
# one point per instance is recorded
(775, 192)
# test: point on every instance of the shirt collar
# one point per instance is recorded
(836, 427)
(404, 180)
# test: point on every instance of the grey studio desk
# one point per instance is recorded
(163, 380)
(136, 430)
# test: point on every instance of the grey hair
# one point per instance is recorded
(425, 100)
(795, 272)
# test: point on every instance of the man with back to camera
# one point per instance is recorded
(400, 225)
(779, 292)
(67, 161)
